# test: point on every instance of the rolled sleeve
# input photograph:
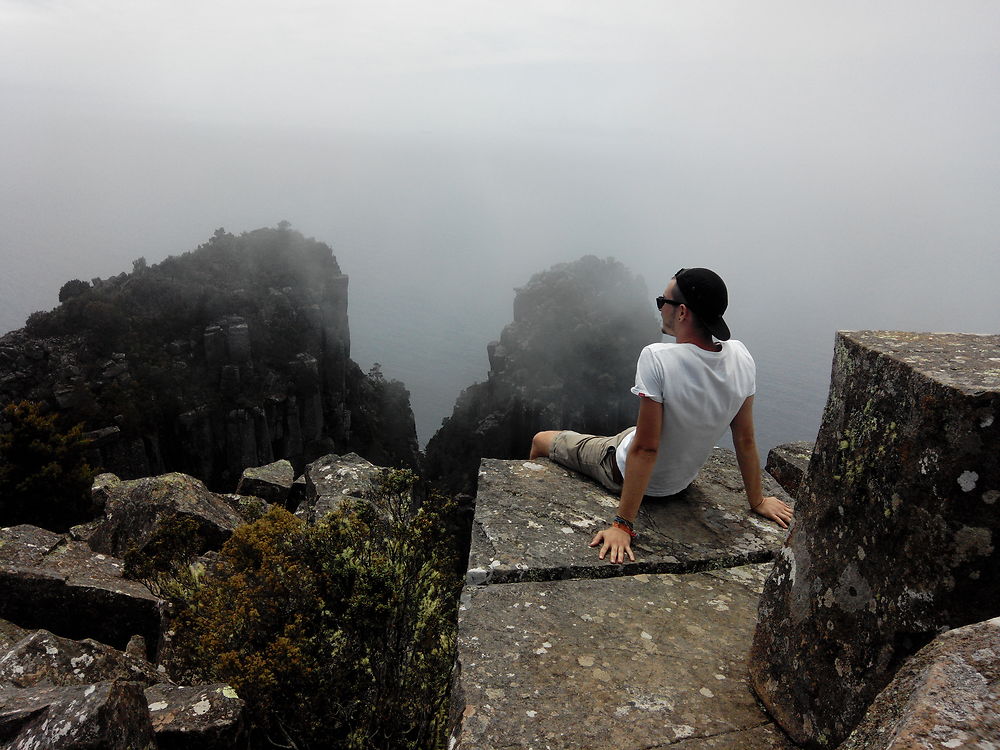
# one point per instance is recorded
(648, 377)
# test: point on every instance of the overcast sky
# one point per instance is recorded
(839, 163)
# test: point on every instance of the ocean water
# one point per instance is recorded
(437, 353)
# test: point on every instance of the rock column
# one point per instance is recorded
(895, 532)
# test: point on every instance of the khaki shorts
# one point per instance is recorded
(591, 455)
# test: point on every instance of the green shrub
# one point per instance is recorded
(164, 563)
(338, 635)
(45, 479)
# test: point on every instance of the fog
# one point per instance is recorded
(838, 164)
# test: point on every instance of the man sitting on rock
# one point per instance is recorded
(689, 392)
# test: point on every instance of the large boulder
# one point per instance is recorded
(788, 464)
(206, 717)
(48, 581)
(105, 716)
(895, 532)
(271, 482)
(333, 480)
(947, 695)
(42, 658)
(136, 509)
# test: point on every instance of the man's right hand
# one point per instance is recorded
(777, 510)
(617, 541)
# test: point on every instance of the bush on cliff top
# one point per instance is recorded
(44, 475)
(337, 635)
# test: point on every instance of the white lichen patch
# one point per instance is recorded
(707, 693)
(201, 707)
(585, 661)
(84, 660)
(51, 650)
(987, 421)
(532, 466)
(967, 481)
(683, 730)
(566, 530)
(720, 676)
(534, 524)
(602, 675)
(646, 635)
(158, 706)
(89, 691)
(531, 714)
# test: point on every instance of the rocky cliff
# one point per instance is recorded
(566, 360)
(232, 355)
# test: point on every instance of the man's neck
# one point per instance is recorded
(702, 343)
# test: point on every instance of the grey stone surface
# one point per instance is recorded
(534, 521)
(271, 482)
(48, 581)
(135, 509)
(331, 480)
(105, 716)
(895, 535)
(42, 658)
(205, 717)
(643, 661)
(946, 696)
(788, 464)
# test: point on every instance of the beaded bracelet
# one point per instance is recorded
(624, 525)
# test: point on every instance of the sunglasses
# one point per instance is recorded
(661, 301)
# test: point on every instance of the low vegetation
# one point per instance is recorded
(338, 635)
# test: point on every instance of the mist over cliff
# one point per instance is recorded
(228, 356)
(566, 361)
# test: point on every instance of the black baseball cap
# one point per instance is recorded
(705, 293)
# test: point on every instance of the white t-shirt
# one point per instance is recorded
(701, 392)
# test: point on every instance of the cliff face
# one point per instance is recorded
(566, 361)
(232, 355)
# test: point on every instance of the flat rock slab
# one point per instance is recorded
(49, 581)
(535, 519)
(643, 661)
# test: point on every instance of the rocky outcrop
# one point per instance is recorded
(230, 356)
(788, 464)
(49, 581)
(108, 715)
(136, 509)
(895, 537)
(947, 695)
(566, 361)
(621, 656)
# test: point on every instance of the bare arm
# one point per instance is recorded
(745, 444)
(638, 469)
